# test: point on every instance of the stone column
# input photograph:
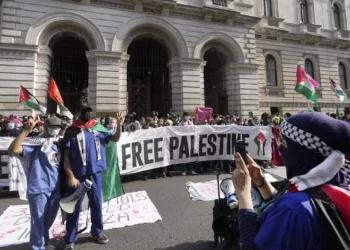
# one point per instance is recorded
(123, 83)
(17, 67)
(186, 84)
(42, 73)
(242, 88)
(104, 92)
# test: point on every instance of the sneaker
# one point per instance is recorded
(102, 238)
(169, 174)
(192, 172)
(164, 175)
(183, 173)
(69, 246)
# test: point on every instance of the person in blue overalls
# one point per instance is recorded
(85, 158)
(43, 190)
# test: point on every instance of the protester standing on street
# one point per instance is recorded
(43, 180)
(85, 158)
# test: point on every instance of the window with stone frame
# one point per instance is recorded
(304, 12)
(342, 76)
(337, 19)
(271, 71)
(309, 68)
(267, 7)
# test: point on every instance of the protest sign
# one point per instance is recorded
(127, 210)
(204, 191)
(208, 191)
(203, 113)
(153, 148)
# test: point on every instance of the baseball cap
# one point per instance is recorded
(53, 121)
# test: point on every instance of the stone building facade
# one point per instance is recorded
(152, 55)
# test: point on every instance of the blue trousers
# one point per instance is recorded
(95, 203)
(43, 210)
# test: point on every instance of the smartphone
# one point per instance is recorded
(240, 148)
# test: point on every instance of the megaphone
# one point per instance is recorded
(69, 203)
(228, 189)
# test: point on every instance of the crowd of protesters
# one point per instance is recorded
(12, 126)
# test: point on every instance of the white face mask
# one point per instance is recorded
(53, 131)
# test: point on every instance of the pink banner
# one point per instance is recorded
(203, 113)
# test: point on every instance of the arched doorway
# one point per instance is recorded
(148, 78)
(214, 81)
(70, 70)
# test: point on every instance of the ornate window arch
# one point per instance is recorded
(315, 66)
(339, 15)
(278, 67)
(305, 8)
(344, 76)
(304, 11)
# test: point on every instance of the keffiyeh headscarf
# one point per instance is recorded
(311, 139)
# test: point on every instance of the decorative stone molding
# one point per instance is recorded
(223, 42)
(274, 91)
(43, 25)
(54, 33)
(103, 56)
(164, 29)
(315, 64)
(18, 50)
(185, 63)
(242, 68)
(296, 104)
(113, 5)
(162, 38)
(279, 70)
(186, 16)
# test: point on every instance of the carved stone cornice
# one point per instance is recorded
(296, 104)
(18, 50)
(103, 56)
(242, 68)
(185, 63)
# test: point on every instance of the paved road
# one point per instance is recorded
(186, 224)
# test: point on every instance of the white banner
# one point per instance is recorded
(208, 191)
(127, 210)
(159, 147)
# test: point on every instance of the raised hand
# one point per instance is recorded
(119, 118)
(31, 124)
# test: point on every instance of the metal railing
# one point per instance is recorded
(220, 3)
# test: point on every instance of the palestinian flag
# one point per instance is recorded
(259, 141)
(338, 91)
(306, 85)
(27, 99)
(310, 107)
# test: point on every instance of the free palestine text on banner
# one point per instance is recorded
(159, 147)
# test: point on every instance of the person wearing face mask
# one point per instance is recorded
(185, 120)
(85, 158)
(311, 210)
(43, 180)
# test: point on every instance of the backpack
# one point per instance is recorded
(331, 206)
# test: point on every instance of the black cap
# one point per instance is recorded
(85, 108)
